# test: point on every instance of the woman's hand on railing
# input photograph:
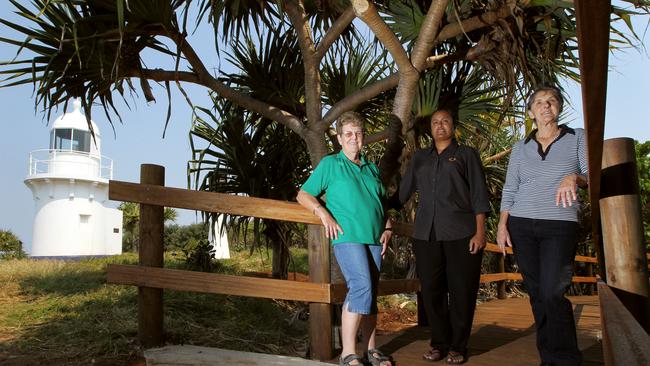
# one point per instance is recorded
(332, 228)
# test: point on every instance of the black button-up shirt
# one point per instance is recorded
(452, 191)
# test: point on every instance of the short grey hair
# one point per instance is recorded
(349, 118)
(547, 88)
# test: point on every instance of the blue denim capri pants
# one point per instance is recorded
(360, 265)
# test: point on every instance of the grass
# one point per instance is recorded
(63, 313)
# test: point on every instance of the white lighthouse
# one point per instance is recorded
(69, 182)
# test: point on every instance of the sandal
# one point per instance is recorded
(347, 360)
(378, 358)
(433, 355)
(455, 358)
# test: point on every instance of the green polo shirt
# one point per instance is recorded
(355, 197)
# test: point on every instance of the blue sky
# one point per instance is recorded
(139, 139)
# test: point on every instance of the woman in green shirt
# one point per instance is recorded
(353, 218)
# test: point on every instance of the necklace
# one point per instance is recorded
(550, 138)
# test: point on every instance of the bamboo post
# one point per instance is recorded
(501, 268)
(620, 209)
(150, 300)
(320, 315)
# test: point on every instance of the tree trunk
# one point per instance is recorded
(280, 260)
(280, 269)
(316, 146)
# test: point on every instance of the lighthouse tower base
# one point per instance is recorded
(71, 220)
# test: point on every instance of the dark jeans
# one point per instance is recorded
(545, 251)
(449, 277)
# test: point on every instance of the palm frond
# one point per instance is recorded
(347, 71)
(270, 69)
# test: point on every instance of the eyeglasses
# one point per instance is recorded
(349, 134)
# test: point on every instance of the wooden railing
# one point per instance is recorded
(625, 342)
(501, 276)
(151, 278)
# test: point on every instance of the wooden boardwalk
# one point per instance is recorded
(502, 334)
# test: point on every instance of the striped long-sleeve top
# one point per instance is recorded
(534, 176)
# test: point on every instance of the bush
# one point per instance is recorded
(10, 246)
(177, 237)
(199, 255)
(192, 241)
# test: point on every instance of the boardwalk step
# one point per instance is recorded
(204, 356)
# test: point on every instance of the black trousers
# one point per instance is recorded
(449, 278)
(545, 252)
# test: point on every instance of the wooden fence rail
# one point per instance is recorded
(625, 342)
(148, 276)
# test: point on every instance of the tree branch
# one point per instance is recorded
(311, 64)
(227, 92)
(407, 86)
(367, 12)
(484, 20)
(353, 100)
(203, 77)
(335, 32)
(497, 156)
(376, 137)
(428, 33)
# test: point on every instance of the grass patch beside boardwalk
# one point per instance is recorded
(55, 312)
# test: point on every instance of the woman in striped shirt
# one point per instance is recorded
(539, 219)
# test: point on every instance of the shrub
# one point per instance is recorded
(10, 246)
(192, 241)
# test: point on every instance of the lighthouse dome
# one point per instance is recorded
(70, 132)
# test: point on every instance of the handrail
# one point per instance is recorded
(625, 342)
(265, 208)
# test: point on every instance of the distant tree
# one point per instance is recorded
(10, 246)
(131, 222)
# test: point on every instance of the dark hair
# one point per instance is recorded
(349, 118)
(548, 88)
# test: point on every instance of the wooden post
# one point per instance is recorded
(590, 273)
(501, 268)
(320, 315)
(592, 30)
(150, 300)
(620, 209)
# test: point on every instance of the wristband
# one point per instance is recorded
(388, 229)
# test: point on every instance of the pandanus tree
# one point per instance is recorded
(94, 49)
(247, 154)
(397, 60)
